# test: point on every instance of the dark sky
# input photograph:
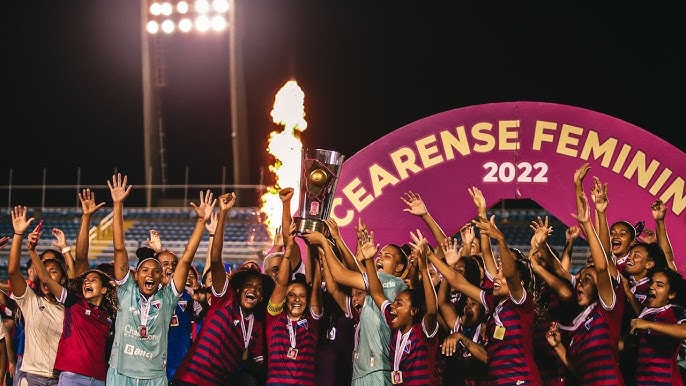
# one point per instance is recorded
(73, 94)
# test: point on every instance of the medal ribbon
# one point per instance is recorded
(496, 313)
(401, 341)
(247, 333)
(291, 332)
(653, 310)
(581, 318)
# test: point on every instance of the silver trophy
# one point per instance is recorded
(320, 171)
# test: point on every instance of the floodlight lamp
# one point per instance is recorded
(220, 6)
(168, 26)
(202, 23)
(166, 8)
(152, 27)
(202, 6)
(185, 25)
(182, 7)
(155, 9)
(218, 23)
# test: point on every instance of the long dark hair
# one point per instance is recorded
(109, 299)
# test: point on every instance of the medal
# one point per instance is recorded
(499, 332)
(292, 353)
(245, 354)
(174, 321)
(143, 332)
(331, 335)
(397, 377)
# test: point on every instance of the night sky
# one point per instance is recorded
(73, 94)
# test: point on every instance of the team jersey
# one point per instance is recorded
(217, 352)
(413, 353)
(291, 345)
(509, 334)
(134, 355)
(657, 352)
(180, 331)
(82, 348)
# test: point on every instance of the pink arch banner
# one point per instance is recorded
(509, 150)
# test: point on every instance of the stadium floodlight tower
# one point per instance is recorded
(194, 17)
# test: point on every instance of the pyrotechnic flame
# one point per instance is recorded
(285, 146)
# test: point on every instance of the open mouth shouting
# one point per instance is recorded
(149, 284)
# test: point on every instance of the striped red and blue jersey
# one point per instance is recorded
(657, 353)
(281, 369)
(418, 361)
(511, 360)
(216, 354)
(593, 347)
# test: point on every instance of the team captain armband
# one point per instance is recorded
(275, 309)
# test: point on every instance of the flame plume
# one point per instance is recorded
(285, 146)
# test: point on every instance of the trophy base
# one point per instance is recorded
(303, 225)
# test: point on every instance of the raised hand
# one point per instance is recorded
(314, 238)
(659, 210)
(415, 204)
(583, 214)
(88, 205)
(211, 225)
(207, 203)
(278, 242)
(580, 174)
(286, 194)
(118, 188)
(467, 235)
(599, 195)
(541, 229)
(487, 227)
(367, 248)
(361, 229)
(478, 198)
(226, 201)
(60, 240)
(419, 243)
(572, 233)
(450, 249)
(19, 221)
(154, 241)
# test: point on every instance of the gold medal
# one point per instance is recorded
(499, 332)
(245, 354)
(292, 353)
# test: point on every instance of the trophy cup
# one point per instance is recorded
(320, 170)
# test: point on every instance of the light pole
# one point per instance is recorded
(180, 16)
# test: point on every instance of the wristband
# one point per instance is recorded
(211, 234)
(19, 234)
(66, 249)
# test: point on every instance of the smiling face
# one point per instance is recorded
(621, 237)
(660, 292)
(93, 288)
(500, 288)
(251, 292)
(169, 262)
(472, 312)
(639, 262)
(296, 300)
(149, 277)
(403, 310)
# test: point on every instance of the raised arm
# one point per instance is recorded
(343, 275)
(507, 260)
(42, 273)
(417, 207)
(600, 203)
(368, 249)
(484, 240)
(283, 278)
(226, 202)
(345, 252)
(60, 243)
(286, 195)
(203, 211)
(445, 307)
(20, 225)
(421, 246)
(332, 286)
(659, 209)
(600, 260)
(88, 208)
(211, 227)
(119, 189)
(455, 279)
(571, 234)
